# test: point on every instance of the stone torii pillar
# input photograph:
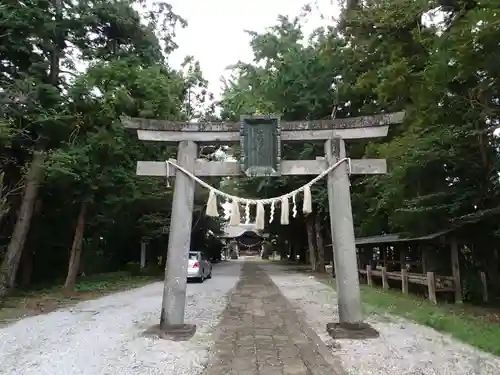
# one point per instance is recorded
(341, 222)
(271, 133)
(179, 243)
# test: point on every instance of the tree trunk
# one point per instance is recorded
(57, 44)
(76, 251)
(27, 266)
(491, 267)
(293, 255)
(320, 244)
(143, 255)
(310, 242)
(10, 264)
(4, 201)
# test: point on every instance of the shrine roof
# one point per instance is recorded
(233, 231)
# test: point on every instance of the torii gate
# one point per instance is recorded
(267, 132)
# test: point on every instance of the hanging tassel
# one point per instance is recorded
(227, 209)
(307, 206)
(235, 213)
(285, 211)
(260, 216)
(271, 215)
(167, 172)
(247, 213)
(294, 200)
(212, 205)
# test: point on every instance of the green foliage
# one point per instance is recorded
(443, 159)
(474, 326)
(68, 72)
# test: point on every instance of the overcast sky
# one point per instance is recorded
(215, 34)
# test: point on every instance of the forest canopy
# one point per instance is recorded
(71, 203)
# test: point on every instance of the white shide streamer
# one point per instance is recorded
(236, 201)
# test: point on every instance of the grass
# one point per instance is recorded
(43, 300)
(476, 326)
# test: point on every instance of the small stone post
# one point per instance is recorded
(404, 281)
(369, 279)
(484, 283)
(385, 280)
(431, 285)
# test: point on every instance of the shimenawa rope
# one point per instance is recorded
(235, 214)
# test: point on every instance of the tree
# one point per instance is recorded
(67, 122)
(382, 58)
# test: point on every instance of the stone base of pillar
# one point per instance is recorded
(173, 332)
(352, 331)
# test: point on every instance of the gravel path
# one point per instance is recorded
(103, 336)
(403, 348)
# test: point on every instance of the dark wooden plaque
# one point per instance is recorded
(260, 138)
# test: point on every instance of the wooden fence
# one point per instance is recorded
(434, 283)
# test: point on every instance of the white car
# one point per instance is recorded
(199, 267)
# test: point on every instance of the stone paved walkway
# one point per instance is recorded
(260, 333)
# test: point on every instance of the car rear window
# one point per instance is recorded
(193, 256)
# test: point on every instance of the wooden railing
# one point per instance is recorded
(434, 283)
